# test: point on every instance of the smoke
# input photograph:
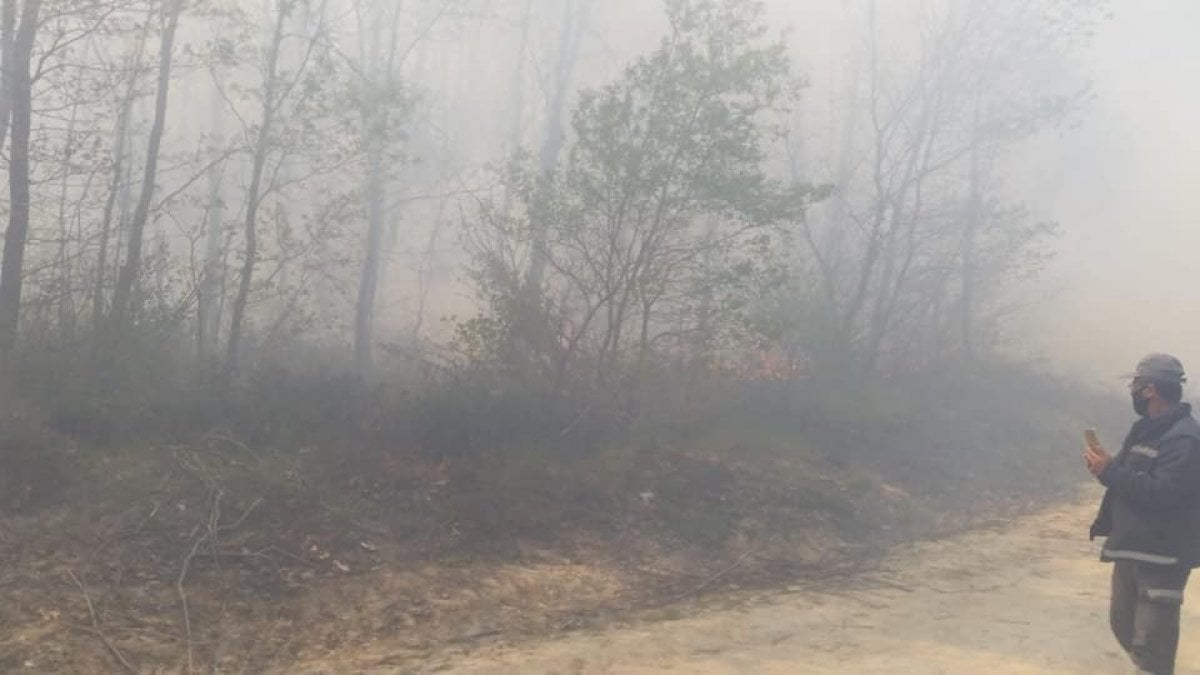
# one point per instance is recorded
(1125, 182)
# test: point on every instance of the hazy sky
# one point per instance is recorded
(1127, 192)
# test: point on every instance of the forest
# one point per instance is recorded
(304, 298)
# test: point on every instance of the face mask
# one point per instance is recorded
(1141, 405)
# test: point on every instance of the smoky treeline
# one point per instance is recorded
(558, 213)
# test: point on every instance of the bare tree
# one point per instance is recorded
(574, 23)
(254, 196)
(280, 89)
(517, 86)
(208, 300)
(123, 296)
(383, 102)
(20, 91)
(379, 44)
(8, 26)
(920, 143)
(120, 151)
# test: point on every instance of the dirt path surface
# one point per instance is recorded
(1021, 598)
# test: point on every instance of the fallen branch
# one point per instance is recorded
(118, 536)
(476, 635)
(716, 577)
(959, 591)
(153, 512)
(197, 541)
(887, 583)
(288, 554)
(245, 514)
(214, 520)
(187, 618)
(97, 631)
(226, 436)
(212, 527)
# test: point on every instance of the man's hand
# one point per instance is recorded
(1097, 459)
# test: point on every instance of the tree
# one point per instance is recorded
(271, 101)
(900, 248)
(117, 181)
(575, 17)
(208, 300)
(8, 27)
(664, 183)
(380, 90)
(281, 98)
(19, 90)
(123, 309)
(384, 101)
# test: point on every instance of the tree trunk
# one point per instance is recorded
(374, 135)
(254, 196)
(18, 175)
(66, 310)
(110, 203)
(967, 299)
(8, 25)
(517, 88)
(118, 185)
(378, 75)
(574, 21)
(208, 319)
(425, 272)
(364, 315)
(123, 301)
(970, 231)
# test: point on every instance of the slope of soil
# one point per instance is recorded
(217, 557)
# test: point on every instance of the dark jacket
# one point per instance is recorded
(1151, 510)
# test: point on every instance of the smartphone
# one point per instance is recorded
(1089, 435)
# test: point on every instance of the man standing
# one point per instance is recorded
(1151, 514)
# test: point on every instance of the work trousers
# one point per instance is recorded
(1144, 613)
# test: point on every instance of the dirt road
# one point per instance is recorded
(1022, 598)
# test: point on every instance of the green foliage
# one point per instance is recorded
(648, 241)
